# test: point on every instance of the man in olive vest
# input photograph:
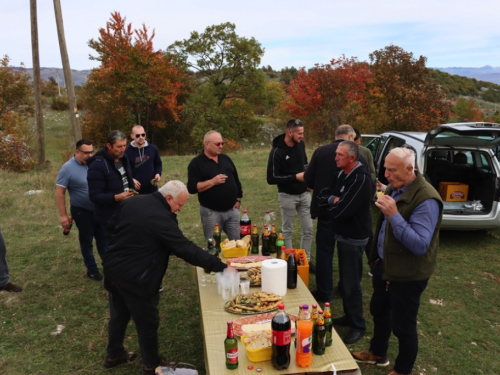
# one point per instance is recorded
(403, 258)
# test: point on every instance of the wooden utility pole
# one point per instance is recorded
(40, 152)
(70, 89)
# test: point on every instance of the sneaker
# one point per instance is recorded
(94, 275)
(366, 356)
(370, 273)
(11, 288)
(151, 370)
(161, 288)
(117, 361)
(394, 372)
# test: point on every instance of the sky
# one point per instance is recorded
(449, 33)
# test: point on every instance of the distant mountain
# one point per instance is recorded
(486, 73)
(79, 76)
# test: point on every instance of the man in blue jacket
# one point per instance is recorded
(109, 177)
(145, 161)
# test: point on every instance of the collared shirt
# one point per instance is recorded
(416, 234)
(73, 177)
(219, 197)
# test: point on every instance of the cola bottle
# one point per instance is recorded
(281, 338)
(291, 275)
(245, 225)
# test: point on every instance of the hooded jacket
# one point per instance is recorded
(284, 163)
(105, 181)
(145, 164)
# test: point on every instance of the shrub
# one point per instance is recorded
(59, 103)
(15, 155)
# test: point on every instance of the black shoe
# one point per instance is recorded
(320, 298)
(117, 361)
(342, 321)
(312, 269)
(353, 336)
(94, 275)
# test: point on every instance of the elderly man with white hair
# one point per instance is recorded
(145, 233)
(403, 259)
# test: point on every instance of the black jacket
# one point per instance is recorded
(105, 181)
(320, 173)
(284, 163)
(145, 233)
(351, 214)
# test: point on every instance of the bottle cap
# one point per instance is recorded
(305, 307)
(281, 306)
(327, 303)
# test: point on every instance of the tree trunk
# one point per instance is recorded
(70, 89)
(40, 152)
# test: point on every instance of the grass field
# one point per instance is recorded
(459, 329)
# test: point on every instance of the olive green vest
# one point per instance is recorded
(400, 264)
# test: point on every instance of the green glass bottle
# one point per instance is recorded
(255, 240)
(328, 324)
(319, 335)
(217, 237)
(231, 348)
(272, 239)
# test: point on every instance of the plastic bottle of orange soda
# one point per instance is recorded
(303, 354)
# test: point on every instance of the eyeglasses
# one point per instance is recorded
(88, 153)
(218, 144)
(143, 135)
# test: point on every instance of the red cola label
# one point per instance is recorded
(245, 229)
(281, 338)
(232, 355)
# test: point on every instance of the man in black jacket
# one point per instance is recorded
(349, 207)
(285, 168)
(145, 233)
(319, 175)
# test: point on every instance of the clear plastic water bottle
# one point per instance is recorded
(267, 219)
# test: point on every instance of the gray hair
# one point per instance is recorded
(352, 148)
(114, 136)
(407, 155)
(209, 133)
(344, 130)
(173, 188)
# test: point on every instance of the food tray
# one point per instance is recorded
(246, 312)
(257, 355)
(235, 252)
(248, 261)
(257, 319)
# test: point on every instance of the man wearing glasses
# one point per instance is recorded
(213, 176)
(285, 168)
(145, 161)
(73, 177)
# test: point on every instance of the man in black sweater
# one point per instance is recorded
(349, 207)
(213, 176)
(145, 233)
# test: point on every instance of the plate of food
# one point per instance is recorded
(253, 274)
(261, 322)
(244, 263)
(253, 303)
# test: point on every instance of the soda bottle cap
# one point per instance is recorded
(255, 225)
(320, 311)
(245, 211)
(314, 305)
(267, 212)
(281, 306)
(216, 223)
(327, 303)
(292, 251)
(229, 322)
(305, 307)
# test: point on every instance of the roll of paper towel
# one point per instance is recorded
(274, 276)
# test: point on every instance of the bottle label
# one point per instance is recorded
(245, 229)
(281, 338)
(232, 355)
(305, 345)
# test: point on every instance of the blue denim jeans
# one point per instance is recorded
(325, 246)
(88, 228)
(4, 266)
(350, 272)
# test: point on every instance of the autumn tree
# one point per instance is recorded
(228, 80)
(134, 84)
(466, 110)
(16, 106)
(328, 94)
(402, 94)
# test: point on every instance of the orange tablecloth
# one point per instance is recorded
(214, 327)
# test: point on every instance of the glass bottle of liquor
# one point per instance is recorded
(319, 335)
(217, 237)
(265, 242)
(328, 324)
(231, 348)
(255, 240)
(272, 239)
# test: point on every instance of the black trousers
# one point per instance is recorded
(394, 307)
(143, 309)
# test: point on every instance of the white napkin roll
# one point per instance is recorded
(274, 276)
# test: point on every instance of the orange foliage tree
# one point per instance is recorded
(133, 85)
(328, 95)
(401, 95)
(466, 110)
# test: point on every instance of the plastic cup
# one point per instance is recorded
(225, 292)
(203, 280)
(245, 286)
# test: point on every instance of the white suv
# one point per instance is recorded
(467, 153)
